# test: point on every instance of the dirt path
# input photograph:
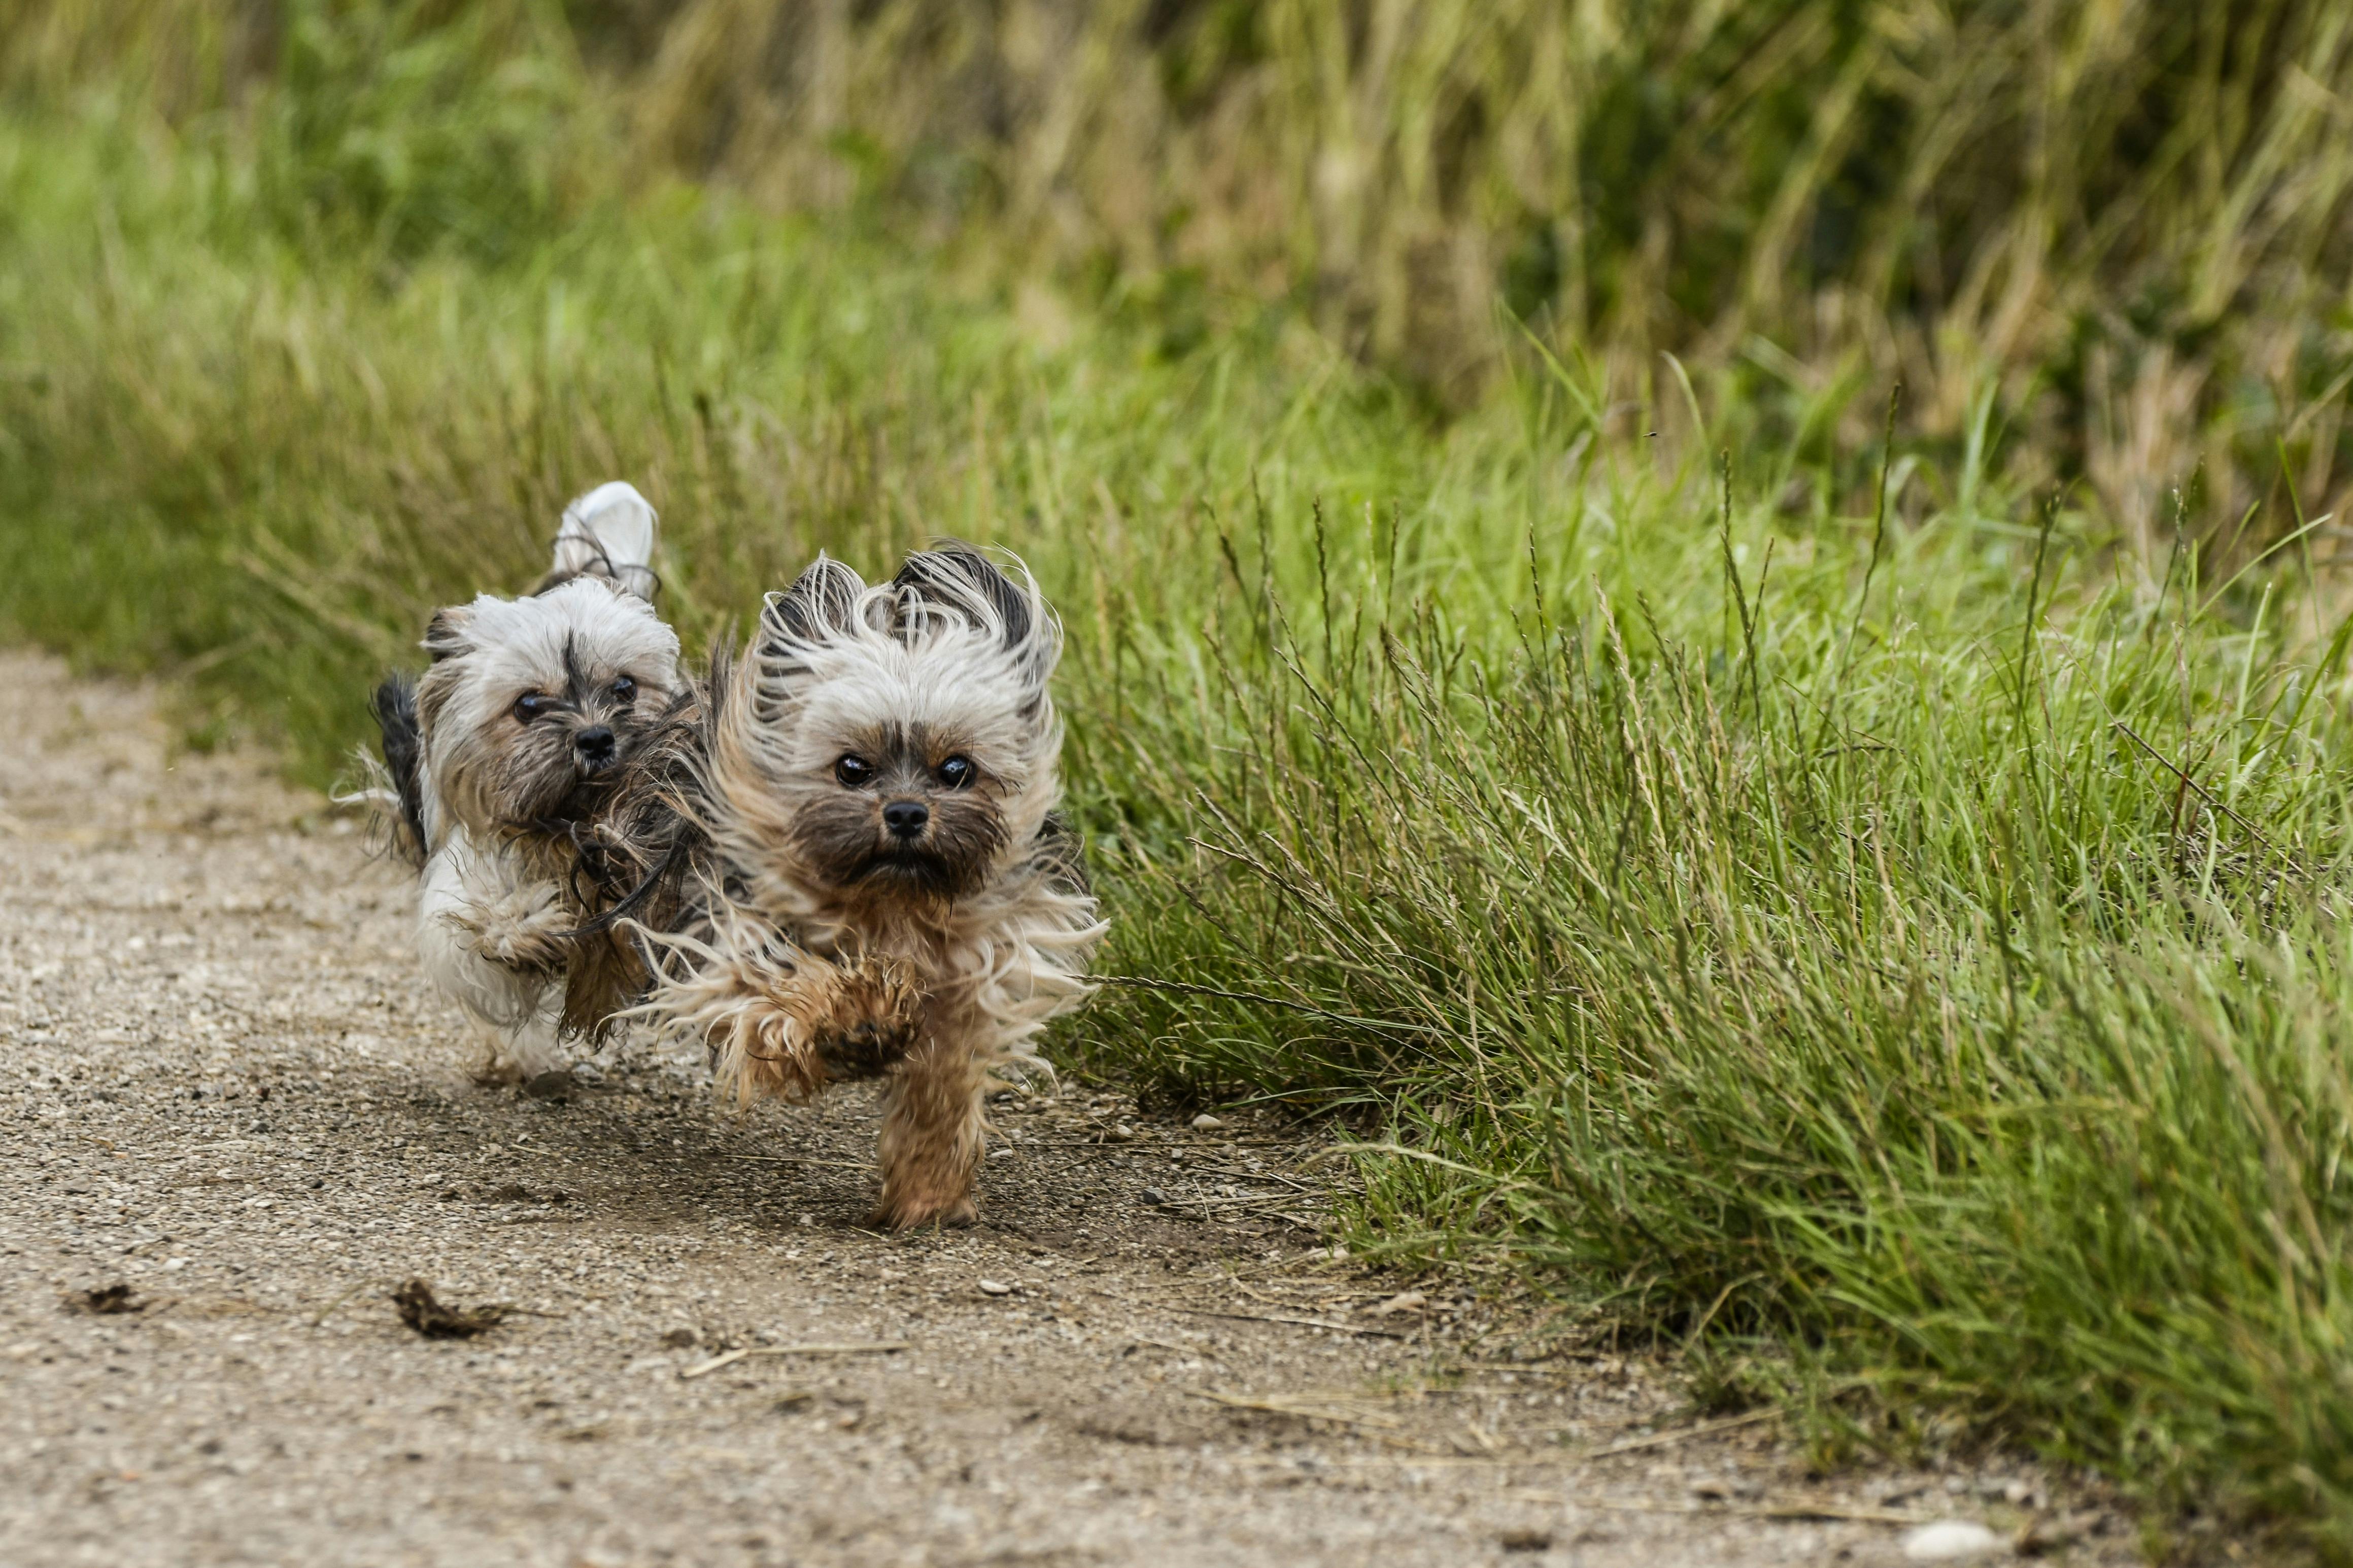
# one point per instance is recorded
(223, 1085)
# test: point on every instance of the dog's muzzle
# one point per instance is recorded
(596, 748)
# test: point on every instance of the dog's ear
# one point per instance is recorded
(958, 577)
(450, 633)
(955, 577)
(823, 600)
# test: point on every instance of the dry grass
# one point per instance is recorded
(2111, 238)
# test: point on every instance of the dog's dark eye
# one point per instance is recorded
(957, 772)
(533, 705)
(626, 688)
(853, 772)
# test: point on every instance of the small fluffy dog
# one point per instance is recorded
(500, 757)
(891, 892)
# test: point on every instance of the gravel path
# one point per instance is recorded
(224, 1087)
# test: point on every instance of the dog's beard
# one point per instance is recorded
(524, 782)
(838, 837)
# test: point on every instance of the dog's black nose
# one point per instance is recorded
(594, 745)
(905, 818)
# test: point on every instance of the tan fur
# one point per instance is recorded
(956, 967)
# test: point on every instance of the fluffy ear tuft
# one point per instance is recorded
(450, 633)
(823, 600)
(958, 578)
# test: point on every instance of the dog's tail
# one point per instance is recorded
(394, 707)
(610, 532)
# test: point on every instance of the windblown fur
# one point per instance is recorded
(503, 755)
(645, 863)
(394, 708)
(890, 889)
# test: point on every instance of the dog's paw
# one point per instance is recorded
(865, 1049)
(924, 1214)
(522, 1064)
(490, 1070)
(872, 1015)
(525, 932)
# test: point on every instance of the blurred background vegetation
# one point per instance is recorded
(2125, 224)
(1847, 883)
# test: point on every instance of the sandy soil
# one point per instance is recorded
(224, 1086)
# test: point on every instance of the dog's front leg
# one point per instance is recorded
(451, 931)
(526, 930)
(861, 1015)
(789, 1026)
(934, 1128)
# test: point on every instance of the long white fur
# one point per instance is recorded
(480, 900)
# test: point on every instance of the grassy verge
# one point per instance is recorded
(1822, 908)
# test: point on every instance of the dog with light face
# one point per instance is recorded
(894, 895)
(499, 758)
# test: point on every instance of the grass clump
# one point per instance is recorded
(1813, 900)
(2127, 224)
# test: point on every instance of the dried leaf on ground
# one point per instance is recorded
(425, 1313)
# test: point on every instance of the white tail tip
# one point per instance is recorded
(610, 531)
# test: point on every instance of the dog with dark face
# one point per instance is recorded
(893, 893)
(500, 759)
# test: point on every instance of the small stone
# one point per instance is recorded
(1405, 1301)
(1950, 1540)
(588, 1073)
(995, 1288)
(679, 1339)
(1123, 1133)
(1155, 1196)
(1525, 1541)
(554, 1084)
(1205, 1122)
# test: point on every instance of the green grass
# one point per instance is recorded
(1837, 909)
(2127, 223)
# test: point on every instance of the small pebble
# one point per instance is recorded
(1205, 1122)
(1123, 1133)
(1155, 1196)
(995, 1288)
(1950, 1540)
(588, 1073)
